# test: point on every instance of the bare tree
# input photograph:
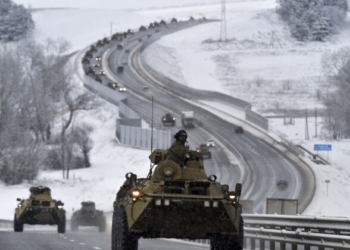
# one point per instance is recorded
(83, 140)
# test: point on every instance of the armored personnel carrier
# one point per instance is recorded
(168, 119)
(88, 215)
(204, 149)
(40, 209)
(177, 202)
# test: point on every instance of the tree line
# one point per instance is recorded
(313, 19)
(38, 102)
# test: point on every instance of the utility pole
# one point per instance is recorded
(306, 127)
(223, 33)
(315, 122)
(111, 29)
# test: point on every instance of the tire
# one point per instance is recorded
(61, 225)
(102, 226)
(122, 239)
(229, 242)
(17, 225)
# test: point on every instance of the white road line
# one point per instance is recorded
(82, 244)
(72, 240)
(97, 248)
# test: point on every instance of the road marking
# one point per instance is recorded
(71, 240)
(65, 238)
(97, 248)
(82, 243)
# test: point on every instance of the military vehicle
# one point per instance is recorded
(204, 150)
(85, 60)
(118, 36)
(162, 22)
(88, 55)
(174, 20)
(119, 47)
(177, 202)
(142, 28)
(112, 85)
(105, 40)
(88, 215)
(99, 43)
(168, 119)
(191, 18)
(120, 69)
(98, 79)
(188, 119)
(90, 71)
(93, 48)
(39, 209)
(130, 31)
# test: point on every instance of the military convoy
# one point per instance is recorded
(88, 215)
(177, 202)
(39, 209)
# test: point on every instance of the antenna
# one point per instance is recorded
(151, 165)
(223, 34)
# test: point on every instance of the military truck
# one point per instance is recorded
(90, 71)
(177, 202)
(119, 46)
(39, 209)
(85, 60)
(93, 48)
(187, 119)
(168, 119)
(99, 43)
(88, 215)
(174, 20)
(204, 150)
(142, 28)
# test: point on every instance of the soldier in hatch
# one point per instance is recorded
(178, 152)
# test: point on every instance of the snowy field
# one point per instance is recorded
(201, 66)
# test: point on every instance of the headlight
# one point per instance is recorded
(19, 205)
(60, 207)
(135, 194)
(168, 171)
(232, 197)
(174, 118)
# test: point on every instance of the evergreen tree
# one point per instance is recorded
(15, 21)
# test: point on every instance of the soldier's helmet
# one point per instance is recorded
(181, 136)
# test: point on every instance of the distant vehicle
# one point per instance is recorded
(157, 30)
(97, 65)
(156, 24)
(88, 55)
(129, 31)
(85, 60)
(162, 22)
(119, 46)
(105, 40)
(112, 85)
(127, 51)
(204, 150)
(98, 58)
(140, 39)
(191, 18)
(282, 184)
(142, 28)
(121, 88)
(239, 130)
(93, 48)
(149, 35)
(174, 20)
(90, 71)
(40, 209)
(99, 43)
(102, 73)
(118, 36)
(210, 143)
(98, 79)
(124, 61)
(120, 69)
(187, 119)
(168, 119)
(151, 26)
(144, 88)
(88, 215)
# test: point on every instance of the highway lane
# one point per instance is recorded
(46, 238)
(267, 166)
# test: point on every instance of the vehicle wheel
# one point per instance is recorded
(102, 227)
(122, 239)
(73, 226)
(61, 226)
(238, 240)
(17, 225)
